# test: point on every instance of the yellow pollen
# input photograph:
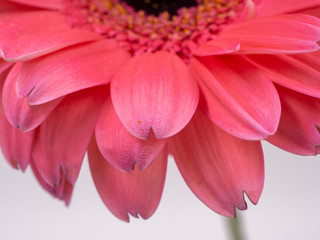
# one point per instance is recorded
(138, 31)
(109, 4)
(121, 9)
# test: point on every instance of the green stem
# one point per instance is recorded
(235, 228)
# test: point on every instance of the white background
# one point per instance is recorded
(288, 209)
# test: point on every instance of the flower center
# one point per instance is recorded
(148, 25)
(155, 7)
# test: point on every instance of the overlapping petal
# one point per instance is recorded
(62, 191)
(237, 96)
(16, 145)
(24, 36)
(6, 5)
(298, 130)
(297, 72)
(137, 193)
(119, 147)
(4, 66)
(273, 7)
(217, 47)
(63, 138)
(48, 4)
(18, 112)
(154, 91)
(70, 70)
(217, 166)
(291, 33)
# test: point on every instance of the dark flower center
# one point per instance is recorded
(155, 7)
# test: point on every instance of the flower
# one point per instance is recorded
(131, 81)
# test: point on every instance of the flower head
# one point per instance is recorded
(132, 81)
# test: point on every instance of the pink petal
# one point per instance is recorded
(49, 4)
(62, 191)
(136, 193)
(70, 70)
(16, 146)
(4, 66)
(217, 166)
(272, 7)
(314, 11)
(154, 91)
(64, 136)
(298, 130)
(277, 34)
(18, 112)
(237, 96)
(216, 47)
(9, 6)
(297, 72)
(24, 36)
(119, 147)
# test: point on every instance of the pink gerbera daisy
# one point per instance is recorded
(131, 81)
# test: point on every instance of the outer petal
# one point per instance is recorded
(16, 145)
(49, 4)
(298, 72)
(24, 36)
(70, 70)
(136, 193)
(64, 136)
(280, 34)
(119, 147)
(19, 113)
(237, 96)
(298, 130)
(272, 7)
(154, 91)
(62, 191)
(217, 166)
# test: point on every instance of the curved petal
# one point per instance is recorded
(292, 33)
(273, 7)
(136, 193)
(154, 91)
(63, 138)
(49, 4)
(299, 126)
(119, 147)
(63, 191)
(298, 72)
(24, 36)
(16, 146)
(18, 112)
(71, 70)
(218, 167)
(237, 96)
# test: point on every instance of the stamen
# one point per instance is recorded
(139, 32)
